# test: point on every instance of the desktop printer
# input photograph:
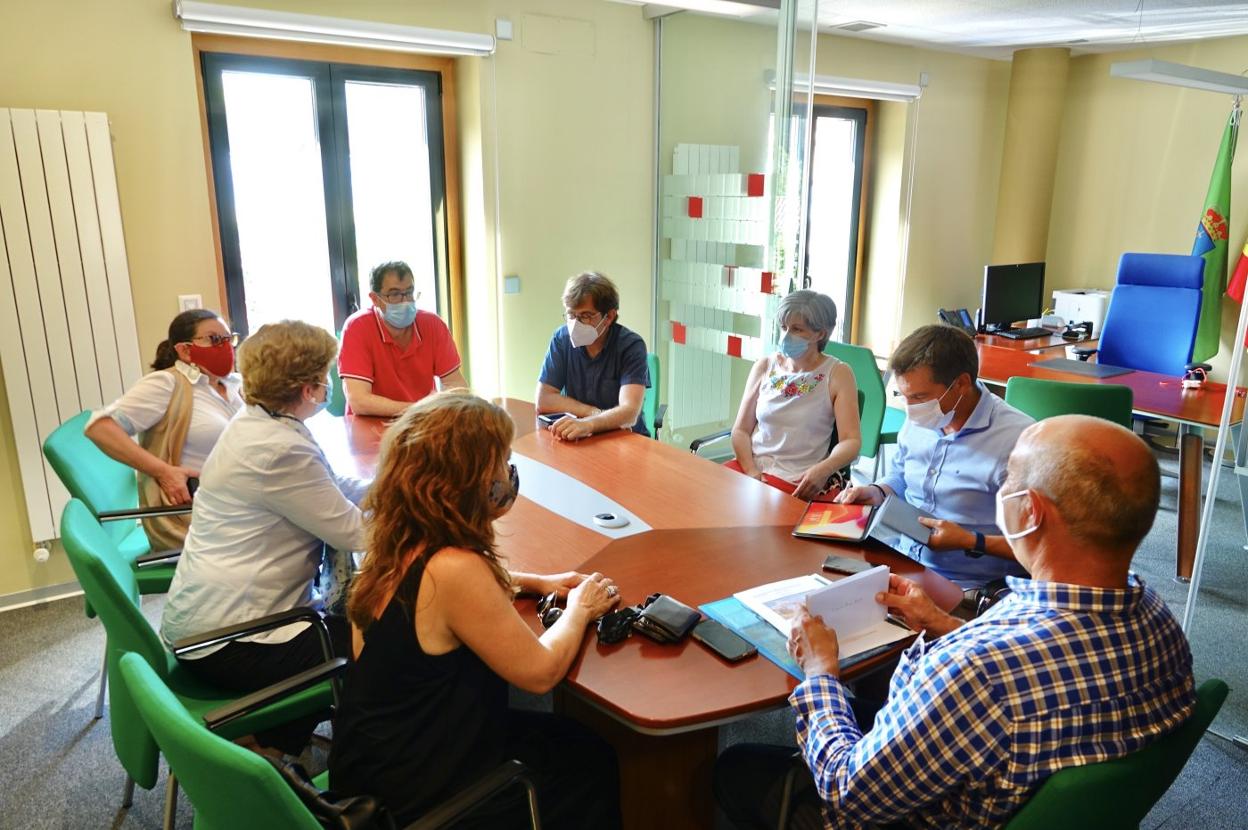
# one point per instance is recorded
(1075, 305)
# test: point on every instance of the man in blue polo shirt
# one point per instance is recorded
(950, 457)
(595, 369)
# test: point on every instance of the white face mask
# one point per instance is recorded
(929, 415)
(1001, 500)
(582, 334)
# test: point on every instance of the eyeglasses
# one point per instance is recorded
(214, 340)
(586, 317)
(401, 296)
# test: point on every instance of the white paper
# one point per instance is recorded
(778, 602)
(848, 605)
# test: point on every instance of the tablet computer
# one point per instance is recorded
(838, 522)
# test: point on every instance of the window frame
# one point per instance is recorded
(862, 111)
(361, 64)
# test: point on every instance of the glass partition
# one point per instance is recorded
(731, 171)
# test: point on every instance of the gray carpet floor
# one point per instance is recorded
(57, 768)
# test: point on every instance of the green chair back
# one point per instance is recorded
(112, 589)
(1046, 398)
(1119, 793)
(89, 475)
(230, 787)
(870, 386)
(650, 403)
(337, 397)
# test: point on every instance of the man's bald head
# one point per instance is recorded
(1100, 476)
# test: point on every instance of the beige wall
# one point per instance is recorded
(573, 123)
(1133, 168)
(1033, 127)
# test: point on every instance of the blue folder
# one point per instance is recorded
(770, 643)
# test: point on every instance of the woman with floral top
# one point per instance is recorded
(793, 401)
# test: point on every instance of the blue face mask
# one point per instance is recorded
(399, 315)
(792, 346)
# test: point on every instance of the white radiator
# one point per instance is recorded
(67, 332)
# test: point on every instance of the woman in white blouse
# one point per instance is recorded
(178, 411)
(793, 399)
(267, 499)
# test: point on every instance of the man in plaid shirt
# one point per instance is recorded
(1080, 664)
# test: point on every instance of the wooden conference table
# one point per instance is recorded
(1154, 395)
(713, 532)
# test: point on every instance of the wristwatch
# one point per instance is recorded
(979, 549)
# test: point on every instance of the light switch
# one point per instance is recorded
(503, 29)
(186, 302)
(511, 285)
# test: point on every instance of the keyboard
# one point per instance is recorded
(1024, 334)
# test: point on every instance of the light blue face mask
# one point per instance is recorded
(399, 315)
(793, 346)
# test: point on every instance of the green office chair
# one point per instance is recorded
(651, 410)
(1119, 793)
(235, 789)
(109, 490)
(1046, 398)
(112, 588)
(880, 422)
(337, 397)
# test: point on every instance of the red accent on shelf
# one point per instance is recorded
(695, 207)
(754, 184)
(767, 282)
(678, 332)
(734, 346)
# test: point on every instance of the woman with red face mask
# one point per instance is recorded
(177, 411)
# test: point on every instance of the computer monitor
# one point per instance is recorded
(1012, 293)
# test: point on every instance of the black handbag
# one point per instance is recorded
(666, 620)
(357, 812)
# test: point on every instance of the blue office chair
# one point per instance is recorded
(1153, 314)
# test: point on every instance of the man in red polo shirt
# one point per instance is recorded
(394, 354)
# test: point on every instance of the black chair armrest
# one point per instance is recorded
(133, 513)
(225, 715)
(1084, 352)
(158, 557)
(1206, 366)
(706, 439)
(503, 776)
(232, 632)
(658, 417)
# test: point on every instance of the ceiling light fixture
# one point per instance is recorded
(211, 18)
(729, 8)
(855, 87)
(1178, 74)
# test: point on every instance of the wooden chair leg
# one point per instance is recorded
(171, 803)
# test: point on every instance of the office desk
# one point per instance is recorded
(713, 532)
(1155, 396)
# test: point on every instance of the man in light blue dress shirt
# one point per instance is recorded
(950, 457)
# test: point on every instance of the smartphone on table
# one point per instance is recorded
(845, 565)
(723, 641)
(548, 419)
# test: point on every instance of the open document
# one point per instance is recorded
(846, 605)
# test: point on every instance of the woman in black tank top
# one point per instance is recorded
(437, 639)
